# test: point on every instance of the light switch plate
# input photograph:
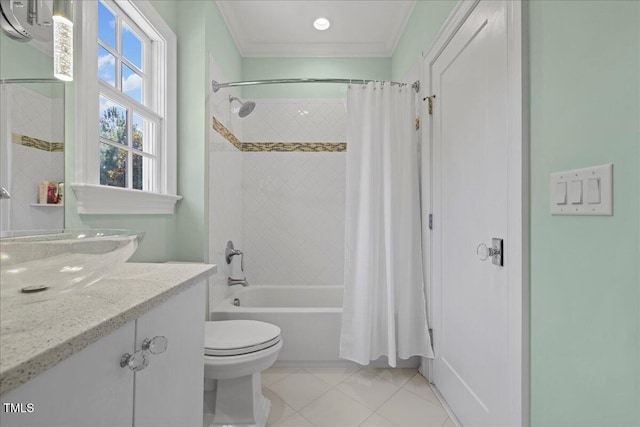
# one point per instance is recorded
(586, 206)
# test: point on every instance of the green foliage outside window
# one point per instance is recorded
(113, 159)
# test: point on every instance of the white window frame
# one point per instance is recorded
(94, 198)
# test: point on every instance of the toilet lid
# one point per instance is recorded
(235, 337)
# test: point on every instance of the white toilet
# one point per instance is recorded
(236, 352)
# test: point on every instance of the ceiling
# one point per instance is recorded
(285, 28)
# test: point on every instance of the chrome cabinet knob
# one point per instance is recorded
(136, 361)
(155, 345)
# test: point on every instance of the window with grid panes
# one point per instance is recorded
(129, 121)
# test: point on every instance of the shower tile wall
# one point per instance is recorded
(37, 116)
(293, 202)
(296, 120)
(225, 186)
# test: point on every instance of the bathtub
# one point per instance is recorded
(309, 317)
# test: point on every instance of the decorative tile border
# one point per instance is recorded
(226, 134)
(57, 147)
(304, 147)
(27, 141)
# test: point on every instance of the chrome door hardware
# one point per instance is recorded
(156, 345)
(136, 361)
(231, 252)
(495, 252)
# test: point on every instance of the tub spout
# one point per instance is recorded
(232, 282)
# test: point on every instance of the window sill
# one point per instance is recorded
(101, 200)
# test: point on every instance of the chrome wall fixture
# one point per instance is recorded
(42, 20)
(217, 86)
(246, 107)
(24, 20)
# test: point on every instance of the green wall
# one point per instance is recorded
(169, 12)
(201, 31)
(221, 45)
(425, 21)
(340, 68)
(21, 60)
(585, 282)
(191, 132)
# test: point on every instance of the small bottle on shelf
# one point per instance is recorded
(51, 194)
(61, 193)
(43, 192)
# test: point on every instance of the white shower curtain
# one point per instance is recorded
(384, 303)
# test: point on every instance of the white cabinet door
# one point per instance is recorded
(169, 391)
(88, 388)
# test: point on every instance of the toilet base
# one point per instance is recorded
(240, 403)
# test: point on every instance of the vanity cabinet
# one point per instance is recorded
(90, 388)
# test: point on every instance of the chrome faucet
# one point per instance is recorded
(4, 194)
(233, 282)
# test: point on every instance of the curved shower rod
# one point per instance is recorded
(217, 86)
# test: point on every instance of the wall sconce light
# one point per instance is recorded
(63, 40)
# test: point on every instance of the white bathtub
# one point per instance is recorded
(309, 317)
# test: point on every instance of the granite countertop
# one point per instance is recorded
(36, 336)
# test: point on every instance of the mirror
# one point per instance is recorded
(31, 137)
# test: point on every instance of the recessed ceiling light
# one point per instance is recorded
(321, 24)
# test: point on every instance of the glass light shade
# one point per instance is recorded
(63, 39)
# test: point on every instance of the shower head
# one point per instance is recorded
(245, 107)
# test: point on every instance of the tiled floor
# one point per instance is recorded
(350, 397)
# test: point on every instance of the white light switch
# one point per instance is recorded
(575, 192)
(587, 191)
(593, 191)
(561, 193)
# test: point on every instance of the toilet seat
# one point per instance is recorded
(238, 337)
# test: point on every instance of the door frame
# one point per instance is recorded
(517, 239)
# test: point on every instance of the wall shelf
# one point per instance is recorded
(47, 205)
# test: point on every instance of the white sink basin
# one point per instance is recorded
(44, 264)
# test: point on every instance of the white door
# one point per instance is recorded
(169, 392)
(470, 205)
(87, 389)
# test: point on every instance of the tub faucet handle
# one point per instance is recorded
(230, 252)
